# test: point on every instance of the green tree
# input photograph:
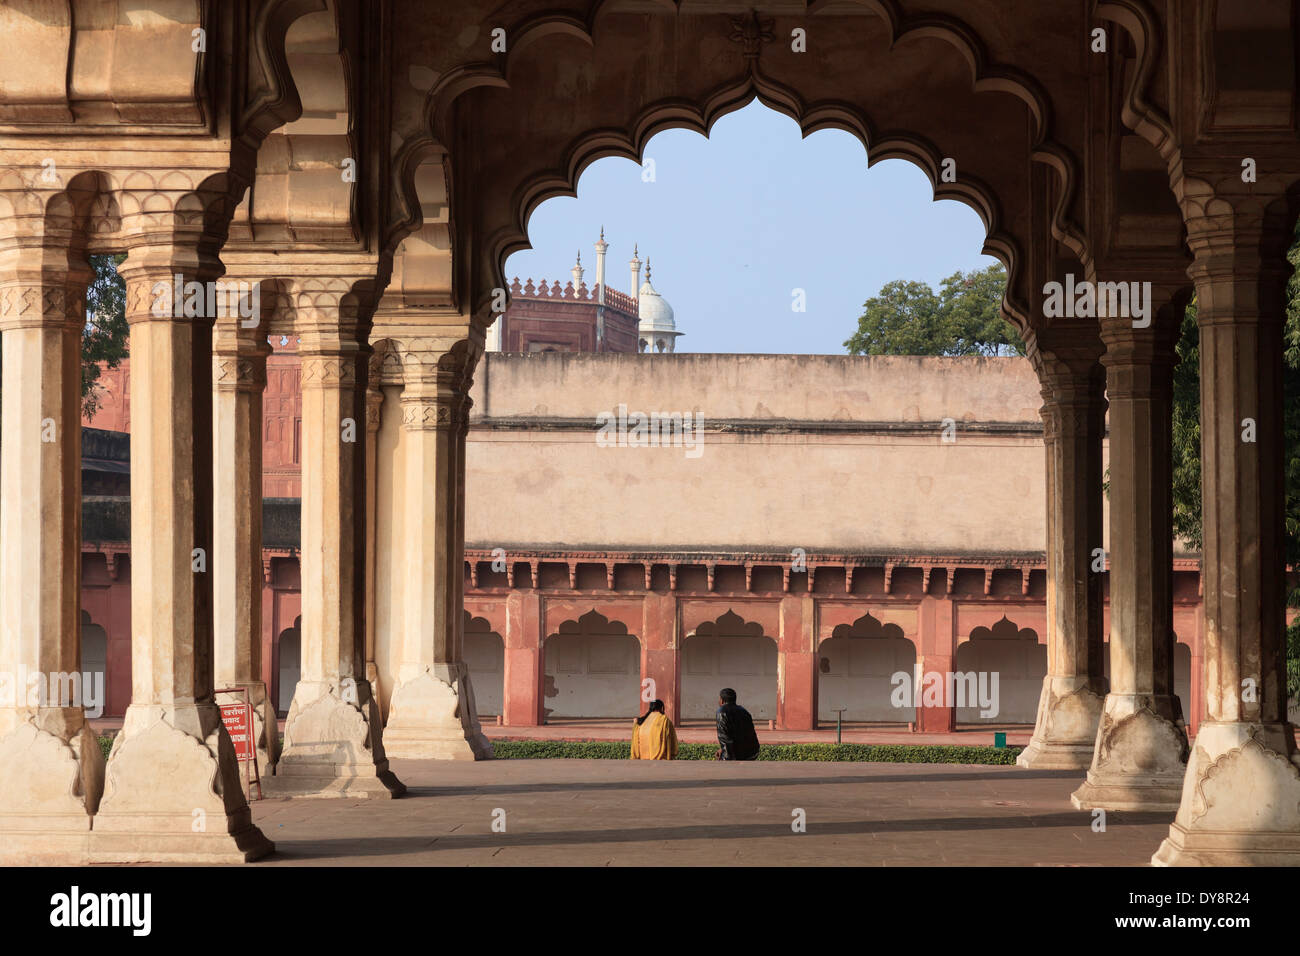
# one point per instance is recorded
(902, 320)
(970, 303)
(909, 318)
(104, 342)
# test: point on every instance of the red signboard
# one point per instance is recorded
(238, 718)
(235, 717)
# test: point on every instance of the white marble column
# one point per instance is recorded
(1240, 802)
(173, 791)
(332, 739)
(1141, 751)
(374, 406)
(238, 380)
(431, 713)
(1069, 710)
(51, 767)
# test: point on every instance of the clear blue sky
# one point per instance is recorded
(734, 223)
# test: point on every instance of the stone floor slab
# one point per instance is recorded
(620, 813)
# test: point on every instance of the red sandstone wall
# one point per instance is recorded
(281, 417)
(552, 317)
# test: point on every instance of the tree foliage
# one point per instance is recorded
(962, 318)
(104, 343)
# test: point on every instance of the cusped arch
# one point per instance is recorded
(594, 622)
(729, 623)
(1139, 112)
(629, 142)
(729, 651)
(591, 668)
(292, 199)
(868, 626)
(1002, 667)
(969, 190)
(861, 668)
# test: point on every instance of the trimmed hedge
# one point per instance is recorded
(516, 749)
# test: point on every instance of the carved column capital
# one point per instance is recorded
(430, 412)
(238, 372)
(330, 370)
(27, 304)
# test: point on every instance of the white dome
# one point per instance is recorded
(656, 314)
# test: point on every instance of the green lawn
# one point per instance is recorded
(506, 749)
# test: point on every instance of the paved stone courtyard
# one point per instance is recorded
(613, 812)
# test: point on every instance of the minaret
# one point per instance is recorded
(601, 247)
(635, 265)
(577, 274)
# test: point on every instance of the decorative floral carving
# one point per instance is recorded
(751, 33)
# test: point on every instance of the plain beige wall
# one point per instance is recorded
(544, 481)
(877, 388)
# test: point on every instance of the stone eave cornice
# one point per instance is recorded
(767, 426)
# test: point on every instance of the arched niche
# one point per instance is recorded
(591, 669)
(1009, 665)
(94, 667)
(485, 656)
(289, 655)
(857, 668)
(729, 652)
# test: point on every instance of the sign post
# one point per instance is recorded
(238, 718)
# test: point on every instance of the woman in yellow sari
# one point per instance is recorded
(653, 737)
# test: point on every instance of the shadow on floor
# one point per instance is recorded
(746, 781)
(290, 850)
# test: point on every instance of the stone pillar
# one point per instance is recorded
(238, 380)
(431, 713)
(660, 652)
(1141, 749)
(935, 654)
(1241, 797)
(523, 655)
(332, 736)
(1074, 421)
(374, 406)
(796, 664)
(53, 769)
(173, 790)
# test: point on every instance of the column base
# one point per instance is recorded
(1065, 732)
(332, 745)
(431, 716)
(1240, 801)
(1140, 758)
(49, 789)
(172, 796)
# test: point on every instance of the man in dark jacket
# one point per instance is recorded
(736, 737)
